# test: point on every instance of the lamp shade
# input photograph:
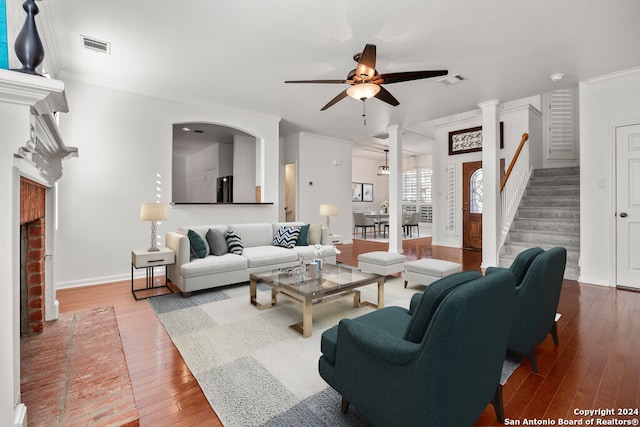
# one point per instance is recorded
(363, 90)
(328, 210)
(153, 211)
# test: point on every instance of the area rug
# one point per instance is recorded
(75, 373)
(252, 368)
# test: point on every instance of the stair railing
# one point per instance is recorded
(513, 184)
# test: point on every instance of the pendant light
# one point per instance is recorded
(384, 169)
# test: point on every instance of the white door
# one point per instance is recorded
(628, 205)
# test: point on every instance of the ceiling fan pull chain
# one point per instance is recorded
(364, 112)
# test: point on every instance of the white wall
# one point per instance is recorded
(366, 171)
(321, 180)
(424, 161)
(124, 142)
(244, 165)
(195, 167)
(604, 103)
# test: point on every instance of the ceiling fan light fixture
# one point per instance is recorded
(362, 91)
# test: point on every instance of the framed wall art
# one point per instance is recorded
(469, 140)
(367, 192)
(356, 192)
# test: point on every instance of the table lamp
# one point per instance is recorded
(153, 212)
(328, 211)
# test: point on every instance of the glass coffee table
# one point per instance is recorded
(331, 283)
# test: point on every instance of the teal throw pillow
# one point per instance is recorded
(199, 247)
(234, 242)
(286, 237)
(303, 237)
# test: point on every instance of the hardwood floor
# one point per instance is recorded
(596, 365)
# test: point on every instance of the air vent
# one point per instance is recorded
(96, 45)
(382, 136)
(451, 80)
(198, 131)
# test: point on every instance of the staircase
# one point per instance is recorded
(548, 216)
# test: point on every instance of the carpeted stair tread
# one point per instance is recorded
(550, 201)
(552, 190)
(570, 226)
(573, 170)
(545, 212)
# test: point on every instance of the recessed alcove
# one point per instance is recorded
(215, 164)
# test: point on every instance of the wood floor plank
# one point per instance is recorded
(595, 364)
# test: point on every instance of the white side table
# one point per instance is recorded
(142, 258)
(335, 239)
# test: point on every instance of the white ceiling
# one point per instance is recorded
(240, 52)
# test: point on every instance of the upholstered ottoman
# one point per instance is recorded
(382, 263)
(426, 271)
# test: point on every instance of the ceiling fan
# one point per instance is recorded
(366, 82)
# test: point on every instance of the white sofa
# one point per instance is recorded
(190, 273)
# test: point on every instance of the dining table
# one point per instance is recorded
(380, 218)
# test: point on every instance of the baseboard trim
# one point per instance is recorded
(137, 274)
(20, 416)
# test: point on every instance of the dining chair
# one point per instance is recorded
(413, 221)
(360, 221)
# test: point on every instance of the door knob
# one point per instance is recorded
(623, 214)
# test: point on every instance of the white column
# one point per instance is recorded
(395, 189)
(491, 182)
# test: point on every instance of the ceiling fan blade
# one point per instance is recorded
(406, 76)
(339, 97)
(367, 61)
(385, 95)
(319, 81)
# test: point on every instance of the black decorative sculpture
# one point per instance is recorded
(29, 49)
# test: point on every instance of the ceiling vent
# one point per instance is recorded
(96, 45)
(382, 136)
(451, 80)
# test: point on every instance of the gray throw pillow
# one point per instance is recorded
(217, 242)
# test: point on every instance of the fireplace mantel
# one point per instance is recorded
(44, 150)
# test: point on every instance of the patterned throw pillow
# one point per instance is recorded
(234, 242)
(199, 247)
(286, 237)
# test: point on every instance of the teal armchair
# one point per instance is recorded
(437, 363)
(538, 288)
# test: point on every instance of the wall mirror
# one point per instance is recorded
(214, 164)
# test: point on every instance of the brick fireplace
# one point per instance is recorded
(32, 257)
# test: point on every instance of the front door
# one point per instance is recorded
(472, 205)
(628, 206)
